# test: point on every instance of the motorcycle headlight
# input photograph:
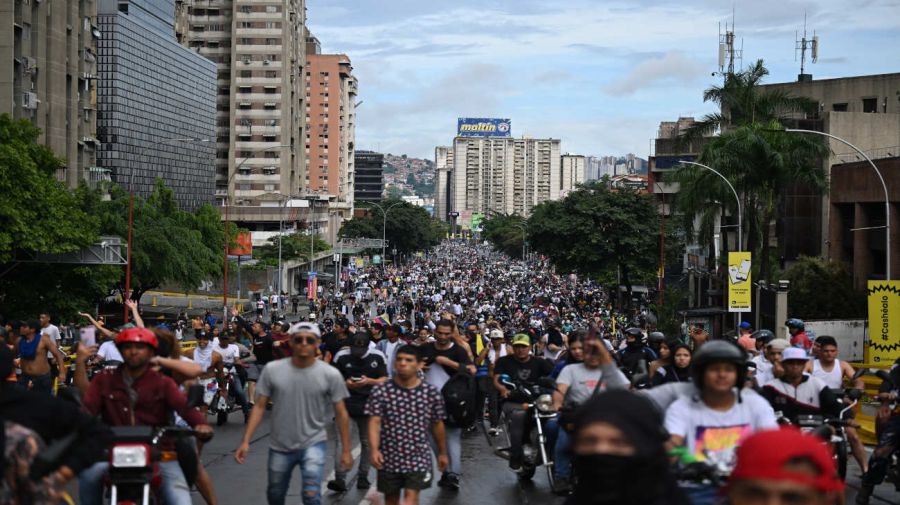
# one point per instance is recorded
(130, 456)
(544, 402)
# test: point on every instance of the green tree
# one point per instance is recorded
(39, 214)
(294, 246)
(408, 228)
(601, 232)
(823, 289)
(760, 162)
(505, 232)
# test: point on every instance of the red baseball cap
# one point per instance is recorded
(764, 456)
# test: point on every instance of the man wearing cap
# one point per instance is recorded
(766, 361)
(795, 394)
(783, 467)
(523, 369)
(746, 339)
(305, 392)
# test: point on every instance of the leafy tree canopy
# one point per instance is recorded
(822, 289)
(408, 228)
(506, 232)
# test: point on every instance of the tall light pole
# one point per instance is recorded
(384, 226)
(227, 202)
(740, 236)
(887, 201)
(131, 210)
(521, 226)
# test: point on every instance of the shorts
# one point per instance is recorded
(253, 371)
(390, 483)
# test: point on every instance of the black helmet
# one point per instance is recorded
(763, 336)
(795, 323)
(635, 332)
(716, 351)
(656, 337)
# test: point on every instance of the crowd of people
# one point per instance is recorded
(396, 362)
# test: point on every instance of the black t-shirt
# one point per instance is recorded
(371, 365)
(332, 343)
(526, 373)
(430, 352)
(262, 348)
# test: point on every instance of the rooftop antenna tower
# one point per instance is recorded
(727, 52)
(802, 45)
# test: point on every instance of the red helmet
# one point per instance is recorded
(139, 335)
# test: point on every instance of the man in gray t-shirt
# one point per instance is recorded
(302, 389)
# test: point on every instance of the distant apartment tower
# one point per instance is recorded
(259, 48)
(369, 175)
(500, 174)
(331, 91)
(443, 167)
(571, 173)
(154, 96)
(48, 76)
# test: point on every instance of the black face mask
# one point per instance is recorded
(617, 480)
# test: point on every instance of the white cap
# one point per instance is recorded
(495, 333)
(794, 354)
(305, 328)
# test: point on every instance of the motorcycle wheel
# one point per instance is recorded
(840, 451)
(527, 472)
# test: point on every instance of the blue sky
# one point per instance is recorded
(600, 75)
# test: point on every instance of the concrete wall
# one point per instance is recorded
(849, 334)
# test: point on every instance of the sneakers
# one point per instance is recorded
(495, 431)
(363, 482)
(449, 481)
(337, 485)
(515, 463)
(562, 486)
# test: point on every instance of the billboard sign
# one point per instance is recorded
(740, 292)
(483, 127)
(884, 321)
(241, 248)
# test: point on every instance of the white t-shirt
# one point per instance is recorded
(229, 354)
(109, 352)
(763, 370)
(713, 436)
(51, 331)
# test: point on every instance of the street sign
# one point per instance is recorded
(453, 214)
(376, 260)
(336, 257)
(363, 243)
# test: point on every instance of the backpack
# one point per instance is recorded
(459, 399)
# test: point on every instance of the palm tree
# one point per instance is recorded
(759, 162)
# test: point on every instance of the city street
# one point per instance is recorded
(485, 477)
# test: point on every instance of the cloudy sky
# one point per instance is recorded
(598, 74)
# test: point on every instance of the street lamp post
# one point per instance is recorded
(384, 226)
(227, 202)
(131, 211)
(740, 235)
(524, 233)
(887, 202)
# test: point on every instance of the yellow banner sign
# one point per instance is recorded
(884, 321)
(740, 289)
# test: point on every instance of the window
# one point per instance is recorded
(246, 73)
(271, 42)
(271, 9)
(246, 24)
(271, 74)
(245, 41)
(839, 107)
(870, 105)
(246, 9)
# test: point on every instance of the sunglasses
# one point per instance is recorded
(304, 340)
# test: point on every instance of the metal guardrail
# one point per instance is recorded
(874, 154)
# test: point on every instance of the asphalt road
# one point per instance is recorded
(485, 478)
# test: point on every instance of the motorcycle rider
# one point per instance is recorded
(523, 369)
(134, 394)
(231, 358)
(795, 393)
(766, 361)
(799, 338)
(634, 352)
(655, 340)
(887, 441)
(712, 423)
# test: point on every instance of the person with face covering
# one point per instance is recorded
(618, 453)
(362, 368)
(678, 368)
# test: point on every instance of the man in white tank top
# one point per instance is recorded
(832, 371)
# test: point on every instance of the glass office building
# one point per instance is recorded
(154, 96)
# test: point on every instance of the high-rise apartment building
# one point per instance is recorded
(369, 175)
(331, 92)
(259, 48)
(571, 173)
(48, 76)
(500, 174)
(443, 167)
(156, 103)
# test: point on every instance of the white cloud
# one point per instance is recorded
(672, 68)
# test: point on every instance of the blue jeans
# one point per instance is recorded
(281, 465)
(558, 445)
(173, 490)
(454, 449)
(239, 393)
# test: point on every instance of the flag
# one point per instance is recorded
(383, 320)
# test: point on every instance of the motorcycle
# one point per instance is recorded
(538, 402)
(893, 473)
(222, 401)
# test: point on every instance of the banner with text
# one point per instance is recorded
(740, 288)
(884, 321)
(482, 127)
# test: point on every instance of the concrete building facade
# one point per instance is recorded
(48, 75)
(369, 176)
(152, 91)
(497, 174)
(443, 167)
(331, 92)
(571, 173)
(259, 49)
